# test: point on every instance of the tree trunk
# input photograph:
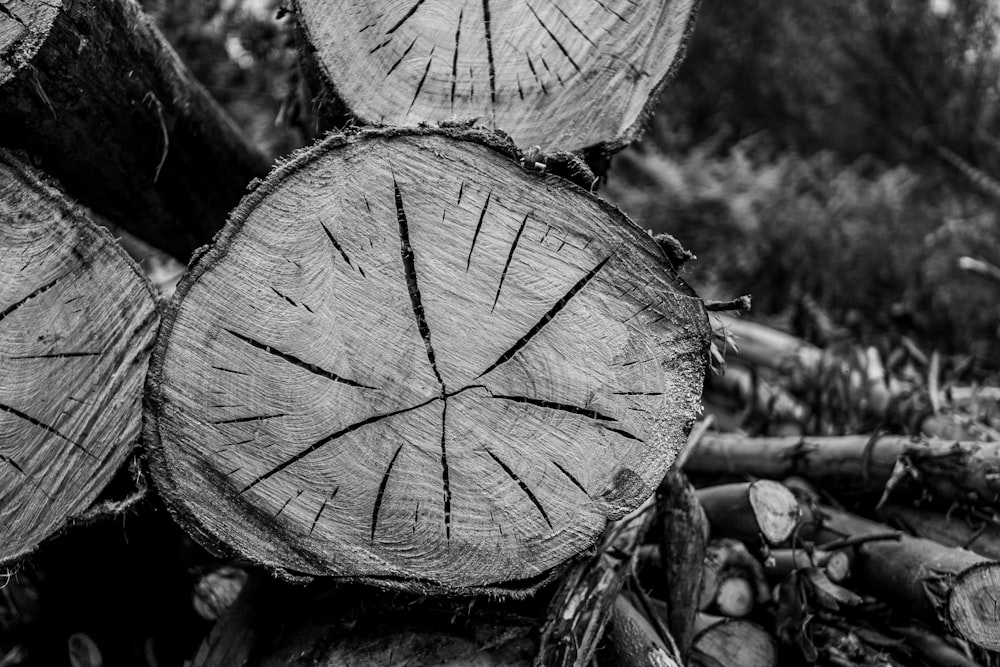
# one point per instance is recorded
(94, 92)
(409, 360)
(951, 585)
(966, 472)
(77, 320)
(564, 78)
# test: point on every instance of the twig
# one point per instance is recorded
(740, 304)
(858, 540)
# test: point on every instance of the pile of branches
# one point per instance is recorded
(836, 506)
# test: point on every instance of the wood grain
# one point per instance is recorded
(560, 75)
(408, 359)
(77, 320)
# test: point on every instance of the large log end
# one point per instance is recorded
(411, 361)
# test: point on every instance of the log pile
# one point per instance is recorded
(907, 575)
(421, 400)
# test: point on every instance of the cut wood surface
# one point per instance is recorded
(748, 510)
(409, 360)
(954, 586)
(634, 641)
(952, 470)
(725, 642)
(94, 92)
(77, 320)
(979, 535)
(562, 76)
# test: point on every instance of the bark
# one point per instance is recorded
(952, 586)
(724, 642)
(981, 536)
(634, 641)
(732, 580)
(683, 537)
(77, 320)
(93, 91)
(582, 605)
(749, 511)
(442, 371)
(966, 472)
(560, 78)
(835, 564)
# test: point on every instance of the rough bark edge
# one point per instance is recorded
(208, 256)
(594, 154)
(40, 182)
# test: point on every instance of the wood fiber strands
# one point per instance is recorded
(77, 320)
(561, 75)
(408, 360)
(94, 92)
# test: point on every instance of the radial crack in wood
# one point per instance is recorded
(560, 75)
(474, 444)
(77, 320)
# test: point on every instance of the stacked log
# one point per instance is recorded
(77, 319)
(543, 369)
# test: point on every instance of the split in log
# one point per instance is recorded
(562, 76)
(634, 641)
(747, 511)
(94, 92)
(407, 359)
(77, 320)
(724, 642)
(981, 536)
(953, 471)
(950, 585)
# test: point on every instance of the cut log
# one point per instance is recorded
(953, 471)
(94, 92)
(77, 320)
(409, 360)
(732, 580)
(724, 642)
(981, 536)
(562, 76)
(747, 511)
(950, 585)
(835, 564)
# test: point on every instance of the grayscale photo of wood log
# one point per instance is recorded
(499, 334)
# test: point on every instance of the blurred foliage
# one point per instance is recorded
(893, 79)
(804, 151)
(244, 55)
